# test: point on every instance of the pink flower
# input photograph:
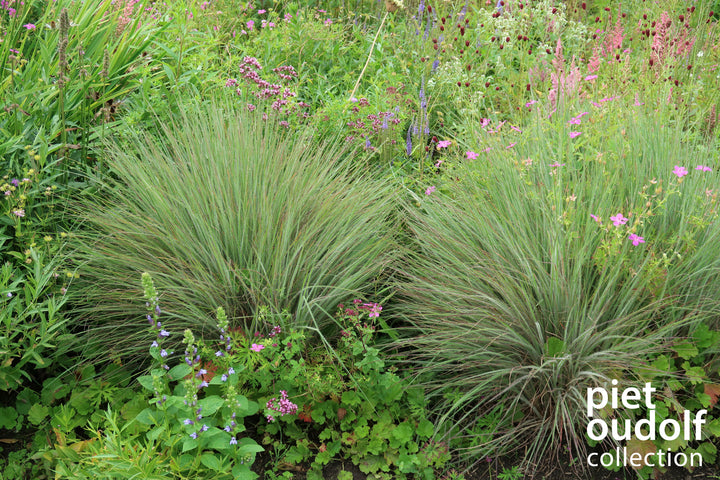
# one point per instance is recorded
(444, 143)
(595, 217)
(575, 134)
(619, 220)
(19, 213)
(430, 190)
(29, 26)
(680, 171)
(703, 168)
(531, 102)
(556, 164)
(637, 101)
(590, 77)
(438, 163)
(261, 12)
(511, 145)
(636, 240)
(471, 155)
(256, 347)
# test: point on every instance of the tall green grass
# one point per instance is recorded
(520, 300)
(228, 210)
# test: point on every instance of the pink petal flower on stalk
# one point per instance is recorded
(637, 101)
(515, 128)
(438, 163)
(256, 347)
(680, 171)
(703, 168)
(29, 26)
(619, 220)
(590, 77)
(531, 102)
(250, 25)
(636, 240)
(596, 218)
(575, 134)
(19, 213)
(471, 155)
(444, 144)
(430, 190)
(556, 164)
(511, 145)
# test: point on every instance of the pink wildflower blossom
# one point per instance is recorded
(619, 220)
(636, 240)
(471, 155)
(680, 171)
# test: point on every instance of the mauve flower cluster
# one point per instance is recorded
(283, 407)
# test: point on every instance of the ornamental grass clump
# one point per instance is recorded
(226, 209)
(542, 270)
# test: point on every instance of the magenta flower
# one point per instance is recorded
(575, 134)
(261, 12)
(511, 145)
(471, 155)
(703, 168)
(556, 164)
(619, 220)
(256, 347)
(595, 217)
(250, 25)
(531, 102)
(680, 171)
(590, 77)
(19, 213)
(444, 143)
(29, 26)
(636, 240)
(430, 190)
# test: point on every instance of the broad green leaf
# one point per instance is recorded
(685, 350)
(179, 371)
(38, 413)
(211, 461)
(211, 404)
(147, 382)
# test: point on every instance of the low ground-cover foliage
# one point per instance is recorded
(227, 399)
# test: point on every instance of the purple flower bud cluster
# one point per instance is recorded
(283, 407)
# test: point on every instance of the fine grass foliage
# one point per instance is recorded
(522, 291)
(226, 209)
